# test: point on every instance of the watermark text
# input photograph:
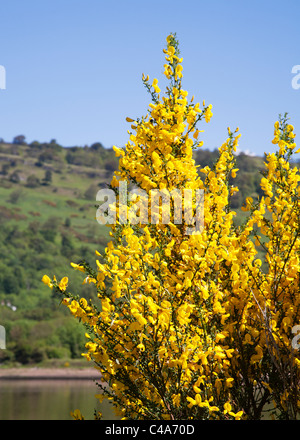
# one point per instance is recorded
(2, 78)
(156, 206)
(296, 78)
(2, 338)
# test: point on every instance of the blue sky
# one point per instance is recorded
(73, 67)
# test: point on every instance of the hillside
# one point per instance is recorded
(47, 217)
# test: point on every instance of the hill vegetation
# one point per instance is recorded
(47, 218)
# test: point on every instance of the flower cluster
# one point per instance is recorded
(194, 326)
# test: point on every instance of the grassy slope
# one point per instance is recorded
(32, 328)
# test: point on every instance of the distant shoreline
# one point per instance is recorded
(64, 373)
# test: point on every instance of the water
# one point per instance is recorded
(51, 400)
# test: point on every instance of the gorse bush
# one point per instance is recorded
(189, 326)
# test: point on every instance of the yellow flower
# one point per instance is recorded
(73, 307)
(227, 407)
(155, 86)
(77, 267)
(141, 347)
(46, 280)
(178, 71)
(118, 151)
(63, 284)
(114, 182)
(238, 415)
(76, 414)
(233, 172)
(208, 113)
(229, 382)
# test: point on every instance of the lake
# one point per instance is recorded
(26, 399)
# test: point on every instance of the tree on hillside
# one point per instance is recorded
(111, 165)
(19, 140)
(97, 146)
(32, 181)
(14, 177)
(47, 178)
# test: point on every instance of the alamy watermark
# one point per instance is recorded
(295, 343)
(2, 78)
(157, 207)
(2, 337)
(296, 78)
